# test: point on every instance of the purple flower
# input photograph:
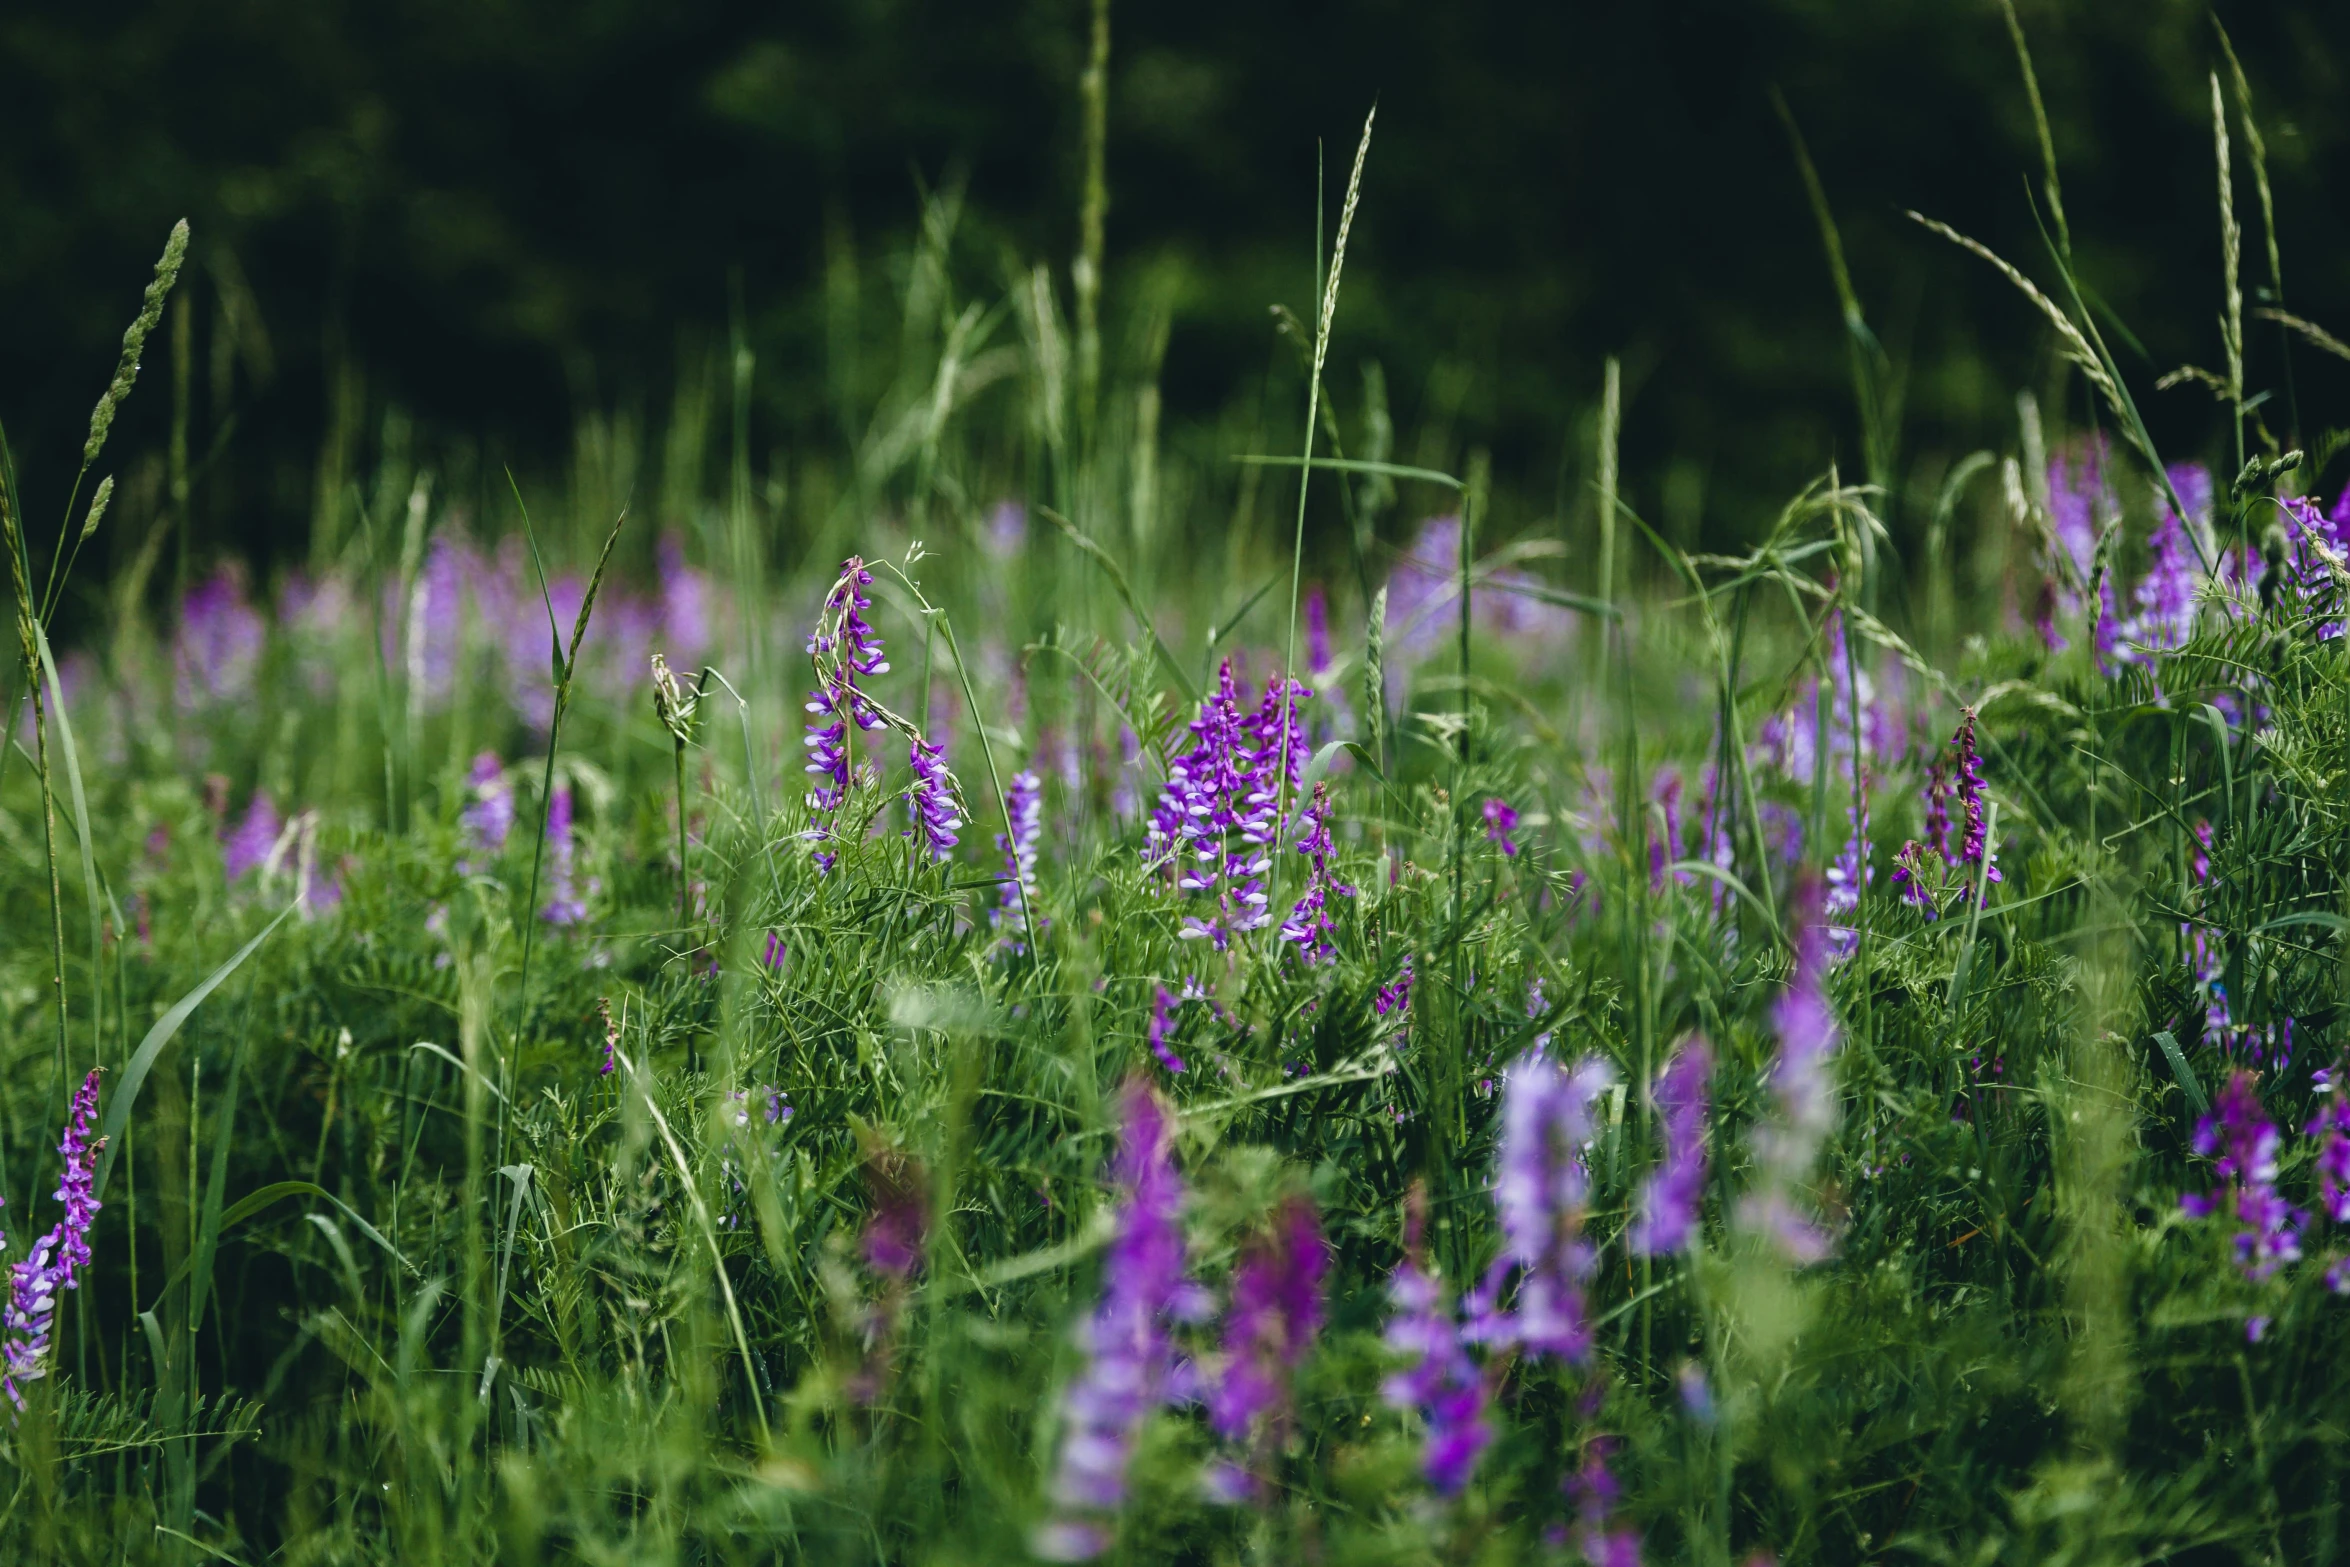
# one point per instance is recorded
(1597, 1493)
(1976, 849)
(1501, 819)
(1803, 1110)
(250, 842)
(1024, 810)
(1938, 809)
(931, 800)
(685, 610)
(843, 647)
(1669, 1202)
(563, 906)
(1664, 847)
(1309, 924)
(1438, 1379)
(1317, 632)
(216, 651)
(1130, 1364)
(1273, 1318)
(2243, 1142)
(1217, 819)
(1163, 1004)
(894, 1231)
(2331, 1128)
(1421, 589)
(57, 1256)
(1542, 1188)
(611, 1039)
(489, 816)
(1916, 881)
(1395, 996)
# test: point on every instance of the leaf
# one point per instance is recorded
(2184, 1072)
(142, 1061)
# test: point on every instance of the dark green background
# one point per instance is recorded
(508, 211)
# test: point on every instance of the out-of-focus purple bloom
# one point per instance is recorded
(1851, 872)
(1668, 1215)
(1501, 819)
(900, 1220)
(1782, 827)
(931, 800)
(1163, 1005)
(248, 844)
(1421, 614)
(1024, 807)
(1697, 1394)
(216, 651)
(685, 604)
(1007, 528)
(1309, 924)
(1438, 1379)
(1317, 632)
(2165, 595)
(2331, 1128)
(2243, 1143)
(1542, 1189)
(1664, 846)
(1130, 1364)
(1597, 1492)
(57, 1256)
(776, 950)
(1803, 1099)
(1274, 1316)
(488, 816)
(563, 906)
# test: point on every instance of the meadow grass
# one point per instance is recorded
(623, 1039)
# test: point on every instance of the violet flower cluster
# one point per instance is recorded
(1501, 819)
(1668, 1213)
(1270, 1324)
(57, 1256)
(1024, 810)
(488, 815)
(1131, 1367)
(844, 647)
(247, 845)
(564, 906)
(931, 800)
(2243, 1143)
(1542, 1189)
(1787, 1142)
(1163, 1006)
(1309, 924)
(1218, 818)
(1438, 1380)
(1599, 1537)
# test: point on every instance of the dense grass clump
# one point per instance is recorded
(1075, 1038)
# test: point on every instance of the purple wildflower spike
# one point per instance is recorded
(216, 652)
(1396, 996)
(1275, 1314)
(931, 800)
(1668, 1215)
(1501, 819)
(611, 1039)
(2243, 1142)
(1217, 820)
(489, 815)
(57, 1256)
(1938, 809)
(894, 1232)
(1024, 805)
(1439, 1380)
(2331, 1128)
(843, 647)
(563, 906)
(1542, 1188)
(1130, 1363)
(1976, 849)
(1163, 1005)
(1309, 924)
(249, 844)
(1597, 1493)
(1788, 1141)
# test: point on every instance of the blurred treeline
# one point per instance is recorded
(494, 229)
